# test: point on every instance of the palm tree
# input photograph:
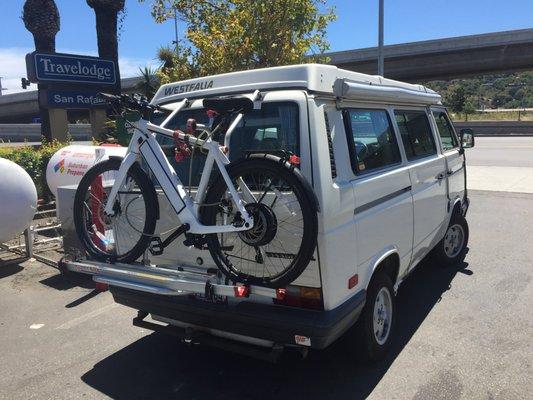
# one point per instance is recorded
(106, 12)
(148, 83)
(167, 56)
(41, 18)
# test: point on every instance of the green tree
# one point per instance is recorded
(230, 35)
(41, 18)
(469, 108)
(107, 15)
(148, 83)
(456, 99)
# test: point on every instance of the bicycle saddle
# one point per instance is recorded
(223, 105)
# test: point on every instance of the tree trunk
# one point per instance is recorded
(106, 30)
(45, 45)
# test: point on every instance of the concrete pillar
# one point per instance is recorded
(97, 117)
(58, 123)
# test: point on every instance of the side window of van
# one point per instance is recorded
(416, 134)
(446, 133)
(372, 140)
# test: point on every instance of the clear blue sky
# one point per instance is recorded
(356, 27)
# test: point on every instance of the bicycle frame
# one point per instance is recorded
(143, 143)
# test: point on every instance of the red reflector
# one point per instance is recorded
(241, 291)
(294, 159)
(280, 293)
(101, 287)
(352, 282)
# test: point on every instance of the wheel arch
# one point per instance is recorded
(387, 261)
(455, 207)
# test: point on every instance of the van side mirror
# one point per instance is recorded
(467, 138)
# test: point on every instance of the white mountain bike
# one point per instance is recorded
(256, 216)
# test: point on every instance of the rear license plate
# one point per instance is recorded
(217, 299)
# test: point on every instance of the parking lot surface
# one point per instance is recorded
(463, 332)
(501, 164)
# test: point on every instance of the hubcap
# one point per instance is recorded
(454, 240)
(382, 315)
(265, 225)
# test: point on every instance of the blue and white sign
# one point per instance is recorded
(65, 68)
(73, 99)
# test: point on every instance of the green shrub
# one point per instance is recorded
(34, 161)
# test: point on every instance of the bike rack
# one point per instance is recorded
(168, 280)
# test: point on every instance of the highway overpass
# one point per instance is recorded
(445, 58)
(418, 61)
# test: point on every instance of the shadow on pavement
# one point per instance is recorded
(66, 281)
(156, 366)
(10, 268)
(83, 298)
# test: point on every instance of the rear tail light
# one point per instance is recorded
(241, 291)
(300, 296)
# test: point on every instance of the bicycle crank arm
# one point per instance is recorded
(157, 248)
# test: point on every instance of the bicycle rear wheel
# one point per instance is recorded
(124, 236)
(280, 245)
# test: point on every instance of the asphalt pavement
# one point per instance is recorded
(462, 333)
(508, 151)
(501, 164)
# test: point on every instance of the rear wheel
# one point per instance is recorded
(280, 245)
(371, 337)
(124, 236)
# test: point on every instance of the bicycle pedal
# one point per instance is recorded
(156, 246)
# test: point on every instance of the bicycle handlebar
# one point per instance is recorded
(136, 102)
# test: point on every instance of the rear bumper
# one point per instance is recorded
(269, 322)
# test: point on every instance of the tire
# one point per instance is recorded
(144, 231)
(294, 247)
(442, 253)
(363, 342)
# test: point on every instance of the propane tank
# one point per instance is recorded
(68, 165)
(19, 200)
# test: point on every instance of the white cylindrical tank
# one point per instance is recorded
(19, 200)
(68, 165)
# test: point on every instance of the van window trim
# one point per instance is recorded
(434, 134)
(445, 111)
(351, 144)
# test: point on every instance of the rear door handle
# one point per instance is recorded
(440, 176)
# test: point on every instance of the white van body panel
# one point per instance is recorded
(399, 211)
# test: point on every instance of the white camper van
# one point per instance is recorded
(386, 174)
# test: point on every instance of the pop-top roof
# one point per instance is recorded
(316, 78)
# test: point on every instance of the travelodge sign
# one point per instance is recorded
(70, 68)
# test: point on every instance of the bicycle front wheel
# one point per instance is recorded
(280, 245)
(124, 236)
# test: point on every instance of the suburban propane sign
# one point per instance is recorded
(42, 67)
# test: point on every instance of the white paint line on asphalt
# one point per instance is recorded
(36, 326)
(500, 179)
(79, 320)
